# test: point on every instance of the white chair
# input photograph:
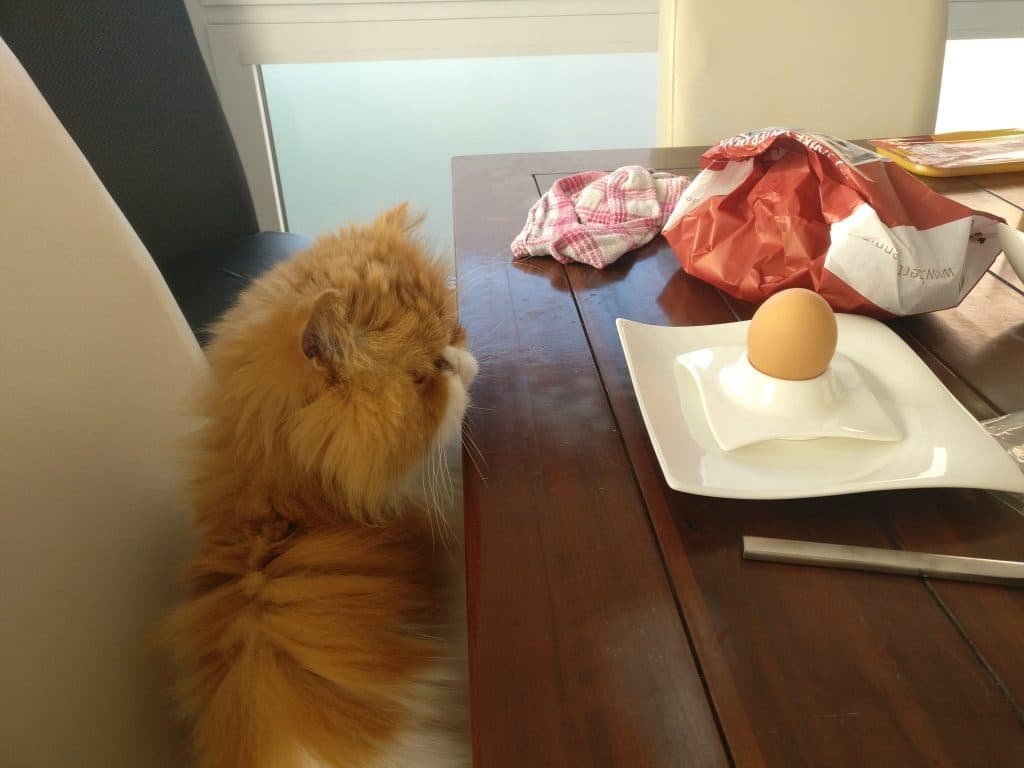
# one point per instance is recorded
(96, 362)
(850, 69)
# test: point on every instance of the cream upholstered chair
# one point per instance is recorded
(127, 81)
(850, 69)
(96, 361)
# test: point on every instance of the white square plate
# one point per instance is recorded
(943, 445)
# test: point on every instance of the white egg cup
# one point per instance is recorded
(1012, 242)
(745, 406)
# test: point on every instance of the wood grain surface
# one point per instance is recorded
(564, 572)
(613, 621)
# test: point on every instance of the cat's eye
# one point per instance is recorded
(442, 364)
(417, 377)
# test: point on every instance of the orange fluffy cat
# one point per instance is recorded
(315, 630)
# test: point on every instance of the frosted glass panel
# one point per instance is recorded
(352, 138)
(977, 93)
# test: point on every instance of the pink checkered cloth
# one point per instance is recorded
(595, 217)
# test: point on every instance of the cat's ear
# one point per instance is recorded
(400, 217)
(321, 334)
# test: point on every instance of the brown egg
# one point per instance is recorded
(792, 335)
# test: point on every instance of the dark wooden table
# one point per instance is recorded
(612, 621)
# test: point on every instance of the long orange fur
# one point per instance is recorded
(317, 588)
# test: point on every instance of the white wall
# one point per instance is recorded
(245, 34)
(354, 137)
(978, 89)
(237, 36)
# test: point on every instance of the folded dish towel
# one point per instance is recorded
(596, 217)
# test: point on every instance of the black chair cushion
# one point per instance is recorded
(128, 81)
(206, 284)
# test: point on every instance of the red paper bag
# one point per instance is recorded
(781, 209)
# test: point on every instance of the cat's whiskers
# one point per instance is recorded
(483, 374)
(448, 494)
(450, 491)
(438, 494)
(429, 501)
(473, 451)
(430, 484)
(462, 277)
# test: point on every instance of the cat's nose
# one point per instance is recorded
(463, 363)
(467, 368)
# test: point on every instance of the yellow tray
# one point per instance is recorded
(957, 154)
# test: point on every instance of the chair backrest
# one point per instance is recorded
(851, 69)
(129, 83)
(96, 363)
